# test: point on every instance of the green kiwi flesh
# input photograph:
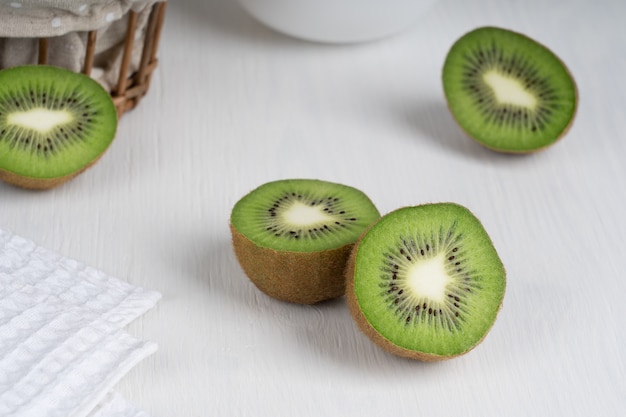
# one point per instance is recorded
(425, 282)
(507, 91)
(54, 123)
(293, 237)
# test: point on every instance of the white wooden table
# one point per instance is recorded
(234, 104)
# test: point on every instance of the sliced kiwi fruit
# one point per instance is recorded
(425, 282)
(54, 124)
(507, 91)
(293, 237)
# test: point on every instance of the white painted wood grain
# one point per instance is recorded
(234, 104)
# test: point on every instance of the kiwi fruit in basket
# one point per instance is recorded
(507, 91)
(293, 237)
(425, 282)
(54, 124)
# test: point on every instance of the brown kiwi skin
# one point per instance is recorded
(296, 277)
(563, 133)
(41, 183)
(364, 325)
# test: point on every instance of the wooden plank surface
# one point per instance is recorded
(234, 104)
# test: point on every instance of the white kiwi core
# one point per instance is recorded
(40, 119)
(509, 90)
(428, 278)
(303, 215)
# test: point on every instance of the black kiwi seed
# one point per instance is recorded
(57, 138)
(507, 91)
(326, 204)
(296, 249)
(416, 301)
(402, 258)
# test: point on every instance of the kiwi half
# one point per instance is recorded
(54, 124)
(507, 91)
(293, 237)
(425, 282)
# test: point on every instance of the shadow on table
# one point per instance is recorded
(214, 268)
(324, 330)
(432, 122)
(428, 117)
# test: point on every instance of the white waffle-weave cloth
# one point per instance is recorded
(63, 346)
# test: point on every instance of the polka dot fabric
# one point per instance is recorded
(37, 18)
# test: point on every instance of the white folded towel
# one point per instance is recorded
(62, 343)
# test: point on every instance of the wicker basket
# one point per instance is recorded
(131, 84)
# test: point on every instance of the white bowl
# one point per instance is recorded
(337, 21)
